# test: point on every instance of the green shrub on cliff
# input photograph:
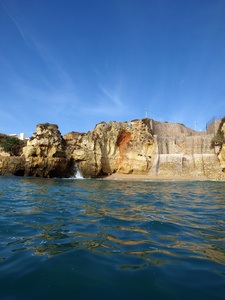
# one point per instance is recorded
(47, 125)
(11, 144)
(219, 138)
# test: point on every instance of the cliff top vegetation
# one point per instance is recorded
(46, 125)
(11, 144)
(219, 138)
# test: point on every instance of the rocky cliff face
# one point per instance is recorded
(222, 151)
(113, 147)
(110, 147)
(190, 156)
(138, 147)
(44, 156)
(3, 154)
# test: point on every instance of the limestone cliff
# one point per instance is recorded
(187, 157)
(44, 156)
(185, 153)
(113, 147)
(139, 147)
(110, 147)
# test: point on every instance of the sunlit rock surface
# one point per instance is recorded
(46, 154)
(144, 146)
(190, 156)
(113, 147)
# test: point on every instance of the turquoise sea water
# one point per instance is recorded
(96, 239)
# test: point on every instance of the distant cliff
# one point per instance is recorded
(136, 147)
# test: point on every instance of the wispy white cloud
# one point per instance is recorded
(108, 104)
(34, 43)
(57, 92)
(23, 32)
(57, 95)
(113, 95)
(55, 101)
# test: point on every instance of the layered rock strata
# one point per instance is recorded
(190, 156)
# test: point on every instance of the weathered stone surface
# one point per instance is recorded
(189, 166)
(46, 154)
(113, 147)
(221, 155)
(122, 147)
(165, 129)
(9, 165)
(191, 156)
(14, 165)
(47, 167)
(46, 142)
(183, 152)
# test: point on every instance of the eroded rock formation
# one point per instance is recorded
(45, 155)
(139, 147)
(113, 147)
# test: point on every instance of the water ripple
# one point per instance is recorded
(136, 225)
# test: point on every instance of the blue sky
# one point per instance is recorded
(76, 63)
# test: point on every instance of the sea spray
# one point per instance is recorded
(76, 172)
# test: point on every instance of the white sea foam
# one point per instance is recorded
(76, 172)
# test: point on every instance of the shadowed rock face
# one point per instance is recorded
(13, 165)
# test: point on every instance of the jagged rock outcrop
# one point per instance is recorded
(46, 154)
(46, 142)
(113, 147)
(139, 147)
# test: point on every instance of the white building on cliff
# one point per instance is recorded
(21, 136)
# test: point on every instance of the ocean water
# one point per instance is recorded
(97, 239)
